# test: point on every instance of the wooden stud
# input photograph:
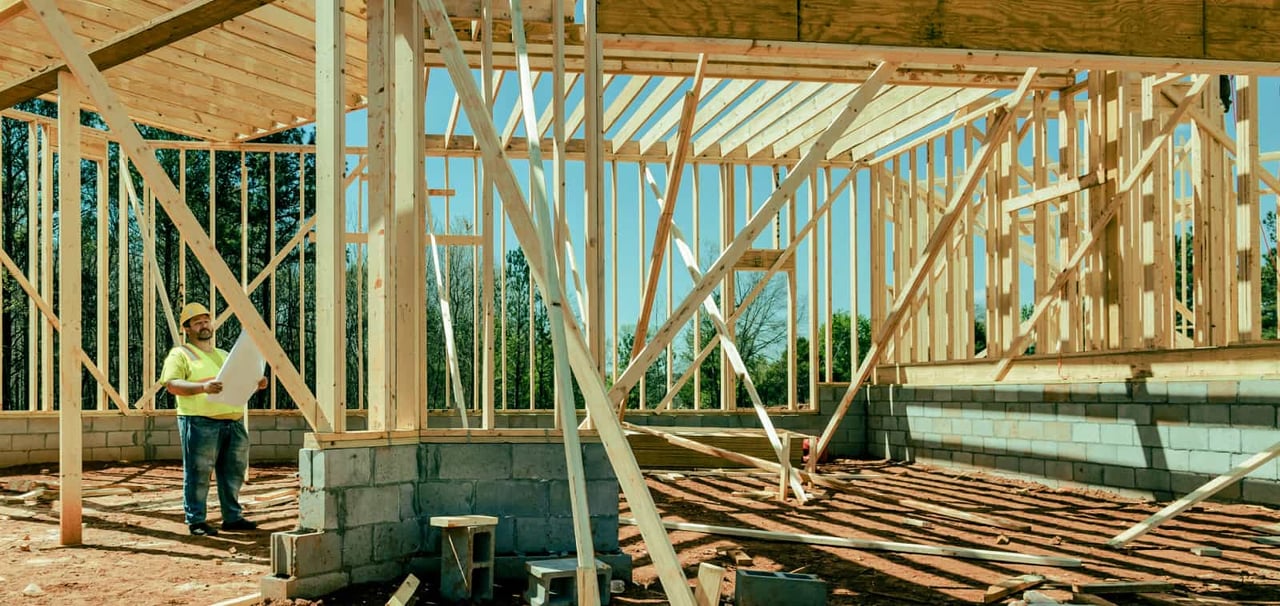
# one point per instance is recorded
(70, 405)
(382, 392)
(710, 584)
(331, 215)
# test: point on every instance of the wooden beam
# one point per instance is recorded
(188, 226)
(592, 384)
(9, 9)
(868, 544)
(764, 216)
(1081, 30)
(1061, 189)
(331, 219)
(381, 307)
(70, 405)
(710, 583)
(958, 205)
(191, 19)
(675, 171)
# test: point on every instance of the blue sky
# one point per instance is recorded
(630, 257)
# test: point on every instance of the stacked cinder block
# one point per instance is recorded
(1160, 438)
(376, 504)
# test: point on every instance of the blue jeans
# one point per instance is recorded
(215, 445)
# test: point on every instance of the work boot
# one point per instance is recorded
(203, 529)
(241, 524)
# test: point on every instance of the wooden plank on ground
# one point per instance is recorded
(710, 584)
(1121, 587)
(831, 541)
(404, 596)
(1008, 587)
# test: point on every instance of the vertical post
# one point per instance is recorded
(331, 250)
(69, 301)
(1248, 206)
(122, 276)
(593, 109)
(728, 289)
(46, 269)
(382, 393)
(33, 269)
(487, 416)
(785, 474)
(271, 245)
(409, 267)
(100, 232)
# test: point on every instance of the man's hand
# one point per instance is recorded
(262, 383)
(213, 387)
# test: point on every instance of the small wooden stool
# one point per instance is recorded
(554, 582)
(466, 556)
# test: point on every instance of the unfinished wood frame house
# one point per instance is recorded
(1007, 192)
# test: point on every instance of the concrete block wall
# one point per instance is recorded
(1162, 439)
(32, 438)
(365, 512)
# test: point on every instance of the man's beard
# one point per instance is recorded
(204, 335)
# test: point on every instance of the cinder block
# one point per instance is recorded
(103, 454)
(13, 425)
(1171, 414)
(133, 423)
(1120, 435)
(1031, 430)
(1257, 440)
(1057, 470)
(29, 442)
(13, 458)
(122, 438)
(357, 546)
(1149, 391)
(1034, 467)
(1114, 392)
(1224, 439)
(305, 554)
(341, 468)
(554, 582)
(761, 588)
(1122, 477)
(995, 445)
(395, 464)
(281, 588)
(1189, 438)
(318, 509)
(1137, 414)
(520, 498)
(544, 535)
(1210, 414)
(1187, 392)
(272, 436)
(1259, 491)
(1211, 463)
(1102, 412)
(1005, 393)
(474, 461)
(1031, 393)
(1084, 392)
(396, 540)
(1152, 479)
(43, 424)
(1045, 449)
(1088, 473)
(371, 505)
(133, 453)
(375, 573)
(1133, 456)
(1258, 392)
(168, 453)
(1253, 415)
(1089, 433)
(538, 461)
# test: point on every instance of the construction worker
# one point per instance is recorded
(213, 436)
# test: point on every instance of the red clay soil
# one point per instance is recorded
(137, 550)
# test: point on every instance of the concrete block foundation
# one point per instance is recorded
(365, 512)
(1140, 438)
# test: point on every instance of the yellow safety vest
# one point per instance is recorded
(193, 364)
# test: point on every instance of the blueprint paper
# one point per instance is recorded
(240, 373)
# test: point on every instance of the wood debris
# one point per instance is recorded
(1122, 587)
(1008, 587)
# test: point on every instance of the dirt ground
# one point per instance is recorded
(137, 550)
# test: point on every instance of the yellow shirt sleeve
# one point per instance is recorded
(175, 366)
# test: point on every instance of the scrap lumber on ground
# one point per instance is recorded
(813, 539)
